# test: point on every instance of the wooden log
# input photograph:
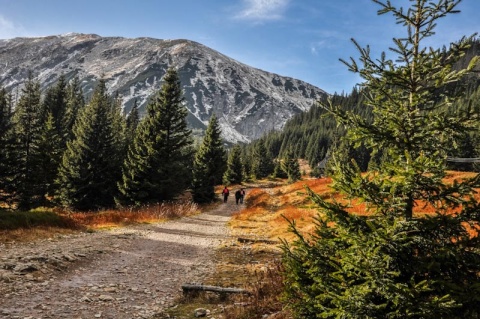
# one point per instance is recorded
(190, 287)
(253, 241)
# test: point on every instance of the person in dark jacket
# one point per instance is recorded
(238, 196)
(242, 195)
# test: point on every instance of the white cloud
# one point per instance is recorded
(326, 40)
(263, 10)
(8, 29)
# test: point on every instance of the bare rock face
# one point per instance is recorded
(247, 101)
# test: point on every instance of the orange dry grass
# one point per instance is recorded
(456, 175)
(101, 219)
(267, 208)
(31, 234)
(258, 198)
(295, 194)
(147, 214)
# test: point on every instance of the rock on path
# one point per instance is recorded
(131, 272)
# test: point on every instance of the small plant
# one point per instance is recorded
(265, 288)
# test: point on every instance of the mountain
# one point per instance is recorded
(247, 101)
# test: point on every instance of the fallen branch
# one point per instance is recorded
(264, 241)
(189, 287)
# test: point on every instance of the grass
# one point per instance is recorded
(267, 208)
(46, 222)
(240, 266)
(264, 218)
(127, 216)
(254, 266)
(11, 220)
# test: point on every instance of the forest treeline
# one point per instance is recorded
(315, 134)
(56, 149)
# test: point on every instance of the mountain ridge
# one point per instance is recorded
(247, 101)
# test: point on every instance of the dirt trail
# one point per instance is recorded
(132, 272)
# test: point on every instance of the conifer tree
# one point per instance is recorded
(49, 157)
(120, 128)
(7, 147)
(25, 181)
(246, 156)
(52, 136)
(213, 152)
(291, 167)
(55, 104)
(235, 169)
(203, 189)
(75, 102)
(158, 163)
(262, 162)
(209, 164)
(395, 261)
(278, 171)
(133, 119)
(90, 165)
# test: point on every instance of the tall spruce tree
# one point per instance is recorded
(90, 165)
(133, 119)
(55, 104)
(262, 162)
(49, 158)
(120, 128)
(209, 164)
(158, 163)
(52, 136)
(7, 147)
(398, 261)
(75, 102)
(291, 166)
(235, 169)
(278, 171)
(247, 159)
(25, 180)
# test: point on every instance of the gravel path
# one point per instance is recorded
(132, 272)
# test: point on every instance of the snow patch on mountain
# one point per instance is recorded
(248, 102)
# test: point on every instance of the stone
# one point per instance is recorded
(85, 299)
(69, 258)
(200, 312)
(105, 298)
(25, 268)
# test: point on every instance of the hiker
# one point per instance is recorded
(238, 196)
(225, 193)
(242, 195)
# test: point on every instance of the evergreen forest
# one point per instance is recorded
(314, 135)
(388, 145)
(54, 144)
(56, 149)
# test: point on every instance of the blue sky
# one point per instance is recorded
(303, 39)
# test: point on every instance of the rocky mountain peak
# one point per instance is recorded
(247, 101)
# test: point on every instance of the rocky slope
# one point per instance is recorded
(247, 101)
